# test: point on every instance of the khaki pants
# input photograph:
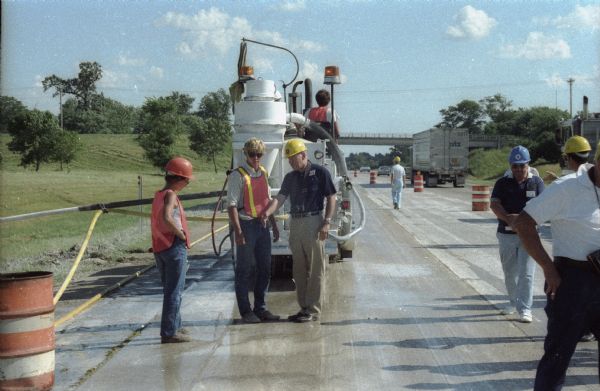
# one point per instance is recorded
(308, 254)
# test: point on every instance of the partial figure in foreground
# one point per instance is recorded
(573, 277)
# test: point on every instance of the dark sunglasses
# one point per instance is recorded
(255, 154)
(518, 165)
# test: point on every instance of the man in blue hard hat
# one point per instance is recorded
(509, 196)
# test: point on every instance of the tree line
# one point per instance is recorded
(537, 128)
(41, 137)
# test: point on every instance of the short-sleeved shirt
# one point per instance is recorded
(308, 189)
(513, 196)
(398, 172)
(572, 208)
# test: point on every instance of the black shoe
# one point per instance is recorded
(177, 338)
(292, 318)
(303, 318)
(267, 316)
(588, 337)
(250, 317)
(395, 205)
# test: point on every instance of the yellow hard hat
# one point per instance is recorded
(294, 147)
(577, 144)
(397, 159)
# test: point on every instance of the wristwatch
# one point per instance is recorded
(328, 220)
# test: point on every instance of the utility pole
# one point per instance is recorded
(570, 81)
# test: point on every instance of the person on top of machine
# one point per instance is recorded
(323, 115)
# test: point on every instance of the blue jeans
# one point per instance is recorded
(575, 307)
(258, 248)
(172, 265)
(519, 270)
(397, 192)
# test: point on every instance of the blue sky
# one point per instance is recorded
(401, 61)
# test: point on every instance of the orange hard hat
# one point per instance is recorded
(179, 166)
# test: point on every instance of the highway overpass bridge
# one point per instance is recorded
(475, 141)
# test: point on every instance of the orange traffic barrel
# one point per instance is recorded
(481, 198)
(372, 178)
(418, 182)
(26, 331)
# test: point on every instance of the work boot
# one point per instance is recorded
(250, 317)
(177, 338)
(395, 205)
(267, 316)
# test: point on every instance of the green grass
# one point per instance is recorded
(106, 170)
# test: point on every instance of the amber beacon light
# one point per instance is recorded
(332, 75)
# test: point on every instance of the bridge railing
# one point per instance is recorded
(376, 135)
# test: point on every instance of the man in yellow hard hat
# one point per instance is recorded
(576, 152)
(310, 190)
(572, 281)
(397, 179)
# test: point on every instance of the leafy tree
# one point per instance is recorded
(466, 114)
(10, 108)
(34, 136)
(158, 127)
(82, 121)
(83, 87)
(66, 148)
(209, 137)
(499, 110)
(215, 105)
(184, 102)
(538, 125)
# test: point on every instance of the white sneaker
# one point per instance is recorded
(525, 318)
(507, 311)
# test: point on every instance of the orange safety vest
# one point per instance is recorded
(162, 237)
(256, 192)
(319, 114)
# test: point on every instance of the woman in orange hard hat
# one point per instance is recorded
(170, 241)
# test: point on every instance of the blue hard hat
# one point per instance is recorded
(519, 155)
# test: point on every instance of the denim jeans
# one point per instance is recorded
(575, 307)
(257, 250)
(519, 270)
(397, 192)
(172, 265)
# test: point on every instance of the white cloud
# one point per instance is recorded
(213, 32)
(537, 47)
(471, 24)
(582, 17)
(292, 6)
(156, 72)
(311, 70)
(113, 79)
(586, 80)
(125, 60)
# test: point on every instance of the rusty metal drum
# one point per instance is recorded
(26, 331)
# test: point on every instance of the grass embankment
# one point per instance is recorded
(106, 170)
(487, 166)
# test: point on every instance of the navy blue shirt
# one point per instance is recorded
(513, 196)
(308, 189)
